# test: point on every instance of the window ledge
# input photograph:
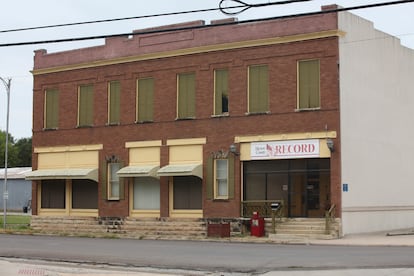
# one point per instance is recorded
(85, 126)
(50, 128)
(307, 109)
(113, 124)
(144, 122)
(258, 113)
(221, 199)
(186, 118)
(220, 115)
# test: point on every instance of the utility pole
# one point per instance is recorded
(7, 84)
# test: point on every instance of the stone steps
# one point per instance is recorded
(309, 228)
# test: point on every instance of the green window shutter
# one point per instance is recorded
(52, 109)
(231, 176)
(85, 105)
(114, 102)
(104, 180)
(258, 89)
(220, 91)
(210, 178)
(145, 100)
(186, 96)
(309, 83)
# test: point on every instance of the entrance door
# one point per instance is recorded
(302, 184)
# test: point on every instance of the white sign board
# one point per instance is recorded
(285, 149)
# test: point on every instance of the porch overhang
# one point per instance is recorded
(138, 171)
(83, 173)
(182, 170)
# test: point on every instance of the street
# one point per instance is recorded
(204, 256)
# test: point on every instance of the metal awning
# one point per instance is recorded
(182, 170)
(91, 173)
(138, 171)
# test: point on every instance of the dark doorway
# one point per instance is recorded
(302, 184)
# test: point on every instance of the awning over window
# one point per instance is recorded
(182, 170)
(91, 174)
(138, 171)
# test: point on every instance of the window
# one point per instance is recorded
(114, 102)
(258, 89)
(308, 84)
(146, 193)
(145, 100)
(84, 194)
(221, 178)
(186, 96)
(221, 95)
(85, 105)
(51, 109)
(53, 194)
(113, 181)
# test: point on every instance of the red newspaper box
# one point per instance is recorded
(257, 225)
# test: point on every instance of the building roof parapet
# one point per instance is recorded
(186, 36)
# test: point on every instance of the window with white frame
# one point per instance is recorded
(221, 186)
(113, 181)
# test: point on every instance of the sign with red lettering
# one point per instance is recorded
(285, 149)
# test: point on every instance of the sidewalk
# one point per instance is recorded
(403, 237)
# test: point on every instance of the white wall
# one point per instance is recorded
(377, 133)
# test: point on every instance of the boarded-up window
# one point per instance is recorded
(221, 93)
(114, 102)
(51, 109)
(186, 96)
(145, 100)
(258, 89)
(308, 84)
(85, 105)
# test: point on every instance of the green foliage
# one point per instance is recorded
(19, 153)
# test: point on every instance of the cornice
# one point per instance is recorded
(193, 50)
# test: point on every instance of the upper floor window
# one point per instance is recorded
(85, 105)
(114, 102)
(258, 101)
(51, 112)
(308, 84)
(145, 100)
(186, 96)
(221, 93)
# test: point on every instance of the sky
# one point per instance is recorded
(16, 62)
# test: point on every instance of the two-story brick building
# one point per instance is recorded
(213, 121)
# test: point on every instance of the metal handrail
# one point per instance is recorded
(329, 218)
(263, 207)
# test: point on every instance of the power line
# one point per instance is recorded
(206, 26)
(110, 20)
(245, 6)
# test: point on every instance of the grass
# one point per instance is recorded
(16, 222)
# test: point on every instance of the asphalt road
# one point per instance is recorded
(203, 255)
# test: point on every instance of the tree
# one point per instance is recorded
(24, 152)
(19, 153)
(12, 156)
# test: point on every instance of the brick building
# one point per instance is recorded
(218, 120)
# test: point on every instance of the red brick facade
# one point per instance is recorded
(220, 132)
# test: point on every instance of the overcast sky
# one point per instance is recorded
(17, 61)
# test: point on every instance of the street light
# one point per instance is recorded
(7, 84)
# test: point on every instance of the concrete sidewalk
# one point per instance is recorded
(403, 237)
